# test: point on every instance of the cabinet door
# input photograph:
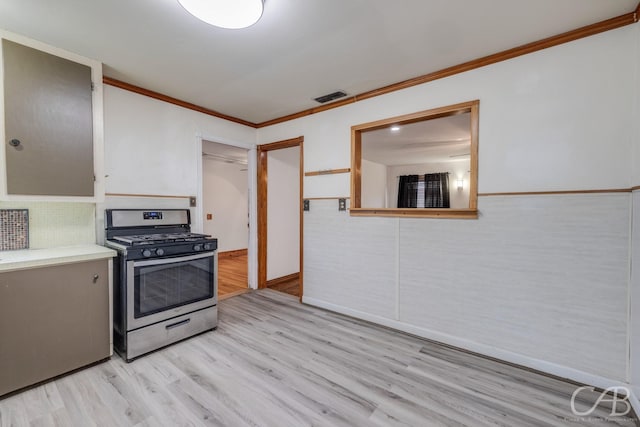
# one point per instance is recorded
(47, 102)
(52, 320)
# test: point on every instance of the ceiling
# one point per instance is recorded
(224, 153)
(441, 140)
(299, 50)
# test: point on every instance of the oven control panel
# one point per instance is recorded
(204, 247)
(178, 249)
(147, 253)
(152, 215)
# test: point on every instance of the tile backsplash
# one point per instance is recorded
(54, 224)
(14, 229)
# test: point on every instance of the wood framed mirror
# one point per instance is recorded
(423, 164)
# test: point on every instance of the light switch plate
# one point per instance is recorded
(192, 201)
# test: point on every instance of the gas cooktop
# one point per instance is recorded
(154, 233)
(159, 238)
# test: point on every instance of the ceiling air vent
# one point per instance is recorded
(330, 97)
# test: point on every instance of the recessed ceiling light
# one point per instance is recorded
(395, 128)
(232, 14)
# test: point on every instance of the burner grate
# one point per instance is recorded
(152, 239)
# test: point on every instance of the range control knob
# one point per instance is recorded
(208, 246)
(160, 252)
(197, 247)
(146, 253)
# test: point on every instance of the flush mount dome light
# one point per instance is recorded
(231, 14)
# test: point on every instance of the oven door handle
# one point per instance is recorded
(172, 260)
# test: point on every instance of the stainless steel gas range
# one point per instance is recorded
(165, 279)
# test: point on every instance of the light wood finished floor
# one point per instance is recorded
(275, 362)
(233, 279)
(291, 287)
(232, 276)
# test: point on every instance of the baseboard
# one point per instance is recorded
(233, 294)
(545, 367)
(232, 254)
(287, 278)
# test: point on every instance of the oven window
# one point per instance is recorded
(165, 286)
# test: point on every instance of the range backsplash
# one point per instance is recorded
(55, 224)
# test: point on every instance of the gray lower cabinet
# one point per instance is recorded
(52, 320)
(48, 123)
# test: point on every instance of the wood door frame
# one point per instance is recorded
(262, 171)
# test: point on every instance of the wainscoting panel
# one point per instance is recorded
(634, 324)
(542, 276)
(350, 261)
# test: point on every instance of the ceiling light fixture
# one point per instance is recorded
(395, 128)
(232, 14)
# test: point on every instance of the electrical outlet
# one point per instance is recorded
(305, 204)
(342, 204)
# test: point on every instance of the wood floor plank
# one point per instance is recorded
(47, 401)
(282, 376)
(323, 398)
(347, 383)
(291, 287)
(232, 276)
(75, 403)
(275, 362)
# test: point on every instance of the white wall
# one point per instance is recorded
(283, 212)
(537, 280)
(634, 295)
(150, 145)
(225, 197)
(544, 119)
(635, 242)
(459, 199)
(155, 148)
(373, 184)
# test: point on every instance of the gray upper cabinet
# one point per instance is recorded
(48, 123)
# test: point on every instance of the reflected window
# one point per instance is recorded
(422, 164)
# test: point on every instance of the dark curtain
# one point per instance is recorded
(408, 191)
(436, 190)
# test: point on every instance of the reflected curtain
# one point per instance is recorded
(436, 190)
(408, 191)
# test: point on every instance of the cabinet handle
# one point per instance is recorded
(95, 278)
(14, 142)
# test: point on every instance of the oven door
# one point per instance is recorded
(163, 288)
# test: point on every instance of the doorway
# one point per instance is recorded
(280, 220)
(225, 212)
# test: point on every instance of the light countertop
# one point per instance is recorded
(31, 258)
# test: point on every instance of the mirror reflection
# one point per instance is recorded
(423, 164)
